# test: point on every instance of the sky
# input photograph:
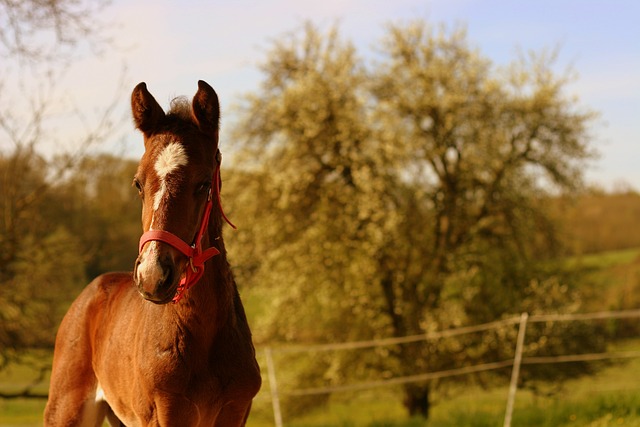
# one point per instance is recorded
(170, 45)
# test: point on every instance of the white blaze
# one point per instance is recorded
(171, 158)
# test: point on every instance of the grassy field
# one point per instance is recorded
(609, 398)
(611, 280)
(22, 412)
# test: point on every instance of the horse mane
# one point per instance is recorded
(180, 107)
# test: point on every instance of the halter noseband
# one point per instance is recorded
(197, 257)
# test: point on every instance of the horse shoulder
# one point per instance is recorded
(88, 305)
(73, 381)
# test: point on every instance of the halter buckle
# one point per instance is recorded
(193, 267)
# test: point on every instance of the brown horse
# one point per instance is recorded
(123, 350)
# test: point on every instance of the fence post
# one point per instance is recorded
(273, 387)
(515, 373)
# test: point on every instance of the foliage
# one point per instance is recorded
(403, 198)
(99, 204)
(43, 257)
(50, 244)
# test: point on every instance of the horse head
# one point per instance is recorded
(176, 179)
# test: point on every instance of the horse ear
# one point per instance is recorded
(206, 109)
(147, 113)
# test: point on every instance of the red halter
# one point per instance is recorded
(197, 257)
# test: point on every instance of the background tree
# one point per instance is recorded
(78, 228)
(97, 204)
(404, 199)
(41, 257)
(311, 184)
(36, 30)
(39, 262)
(485, 147)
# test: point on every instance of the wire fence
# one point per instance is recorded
(515, 363)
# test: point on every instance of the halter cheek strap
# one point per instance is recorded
(197, 257)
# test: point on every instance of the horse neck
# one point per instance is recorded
(208, 305)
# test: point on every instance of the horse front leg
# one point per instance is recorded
(73, 387)
(73, 403)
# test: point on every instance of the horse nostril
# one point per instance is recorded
(168, 276)
(136, 272)
(168, 273)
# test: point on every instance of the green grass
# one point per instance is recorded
(21, 412)
(605, 260)
(609, 398)
(16, 378)
(611, 280)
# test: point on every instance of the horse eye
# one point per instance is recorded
(137, 184)
(203, 187)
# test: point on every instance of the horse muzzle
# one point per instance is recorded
(156, 273)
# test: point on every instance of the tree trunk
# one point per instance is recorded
(416, 400)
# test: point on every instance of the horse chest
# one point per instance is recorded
(158, 360)
(167, 382)
(176, 363)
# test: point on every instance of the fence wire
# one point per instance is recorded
(515, 363)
